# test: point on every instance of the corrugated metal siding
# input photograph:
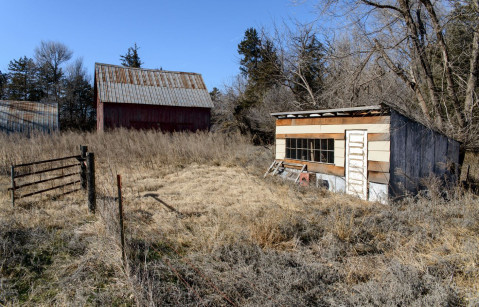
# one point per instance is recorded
(28, 116)
(117, 84)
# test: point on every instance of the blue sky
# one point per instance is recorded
(179, 35)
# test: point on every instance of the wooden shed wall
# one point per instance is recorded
(166, 118)
(335, 128)
(418, 152)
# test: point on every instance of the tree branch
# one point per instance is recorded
(402, 74)
(473, 72)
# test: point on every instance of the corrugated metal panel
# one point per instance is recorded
(117, 84)
(28, 116)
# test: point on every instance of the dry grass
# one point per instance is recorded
(197, 203)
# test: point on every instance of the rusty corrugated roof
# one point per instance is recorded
(28, 116)
(118, 84)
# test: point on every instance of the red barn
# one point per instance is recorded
(150, 99)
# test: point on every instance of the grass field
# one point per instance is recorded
(204, 228)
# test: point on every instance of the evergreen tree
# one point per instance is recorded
(215, 94)
(250, 49)
(260, 65)
(23, 80)
(131, 58)
(3, 85)
(307, 78)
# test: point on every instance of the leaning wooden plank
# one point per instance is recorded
(270, 167)
(277, 168)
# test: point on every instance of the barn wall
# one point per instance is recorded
(166, 118)
(418, 152)
(335, 128)
(99, 116)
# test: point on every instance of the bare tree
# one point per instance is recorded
(408, 38)
(77, 108)
(353, 78)
(301, 62)
(50, 56)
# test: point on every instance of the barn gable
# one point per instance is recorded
(28, 116)
(146, 98)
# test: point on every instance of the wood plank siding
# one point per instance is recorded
(417, 153)
(333, 121)
(166, 118)
(335, 128)
(402, 154)
(373, 128)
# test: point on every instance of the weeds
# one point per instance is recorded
(197, 203)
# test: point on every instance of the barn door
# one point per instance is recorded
(357, 163)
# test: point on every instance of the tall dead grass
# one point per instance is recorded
(198, 212)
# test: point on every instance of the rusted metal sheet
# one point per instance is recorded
(118, 84)
(28, 116)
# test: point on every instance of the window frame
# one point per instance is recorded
(313, 150)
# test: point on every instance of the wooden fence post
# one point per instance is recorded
(120, 210)
(13, 185)
(91, 182)
(83, 181)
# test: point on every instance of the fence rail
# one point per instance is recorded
(84, 176)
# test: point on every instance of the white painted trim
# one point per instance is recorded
(361, 151)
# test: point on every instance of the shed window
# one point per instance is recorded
(314, 150)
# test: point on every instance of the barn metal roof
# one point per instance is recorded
(365, 110)
(118, 84)
(27, 116)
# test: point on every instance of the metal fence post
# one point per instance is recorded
(91, 182)
(83, 180)
(120, 210)
(13, 185)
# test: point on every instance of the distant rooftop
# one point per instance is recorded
(28, 116)
(118, 84)
(353, 111)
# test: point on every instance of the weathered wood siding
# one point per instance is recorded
(164, 118)
(418, 152)
(335, 128)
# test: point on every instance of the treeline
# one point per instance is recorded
(419, 56)
(51, 75)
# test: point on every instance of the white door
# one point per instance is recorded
(357, 163)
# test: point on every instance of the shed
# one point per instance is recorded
(28, 116)
(374, 152)
(150, 99)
